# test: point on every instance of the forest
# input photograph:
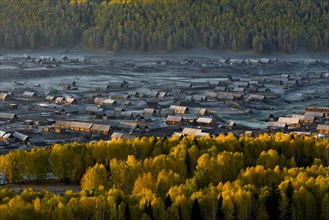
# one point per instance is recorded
(259, 25)
(223, 177)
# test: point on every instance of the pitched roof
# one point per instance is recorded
(178, 108)
(204, 120)
(277, 115)
(101, 127)
(315, 114)
(196, 132)
(149, 111)
(289, 121)
(322, 127)
(83, 125)
(20, 136)
(3, 96)
(128, 125)
(155, 125)
(7, 115)
(174, 118)
(29, 94)
(275, 124)
(2, 133)
(191, 131)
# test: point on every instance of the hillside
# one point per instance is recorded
(165, 25)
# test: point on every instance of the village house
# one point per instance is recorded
(50, 98)
(249, 134)
(275, 116)
(255, 97)
(325, 110)
(118, 135)
(128, 125)
(225, 96)
(8, 116)
(70, 101)
(81, 126)
(70, 110)
(29, 94)
(120, 97)
(10, 105)
(98, 101)
(207, 122)
(109, 102)
(150, 94)
(151, 103)
(93, 111)
(105, 115)
(118, 110)
(277, 126)
(220, 89)
(190, 118)
(322, 128)
(156, 126)
(101, 129)
(291, 122)
(200, 98)
(5, 97)
(174, 120)
(162, 95)
(149, 111)
(179, 109)
(231, 125)
(126, 115)
(134, 94)
(166, 111)
(211, 96)
(59, 100)
(195, 132)
(21, 137)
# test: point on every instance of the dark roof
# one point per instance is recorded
(6, 115)
(20, 136)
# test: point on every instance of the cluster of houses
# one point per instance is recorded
(313, 117)
(122, 109)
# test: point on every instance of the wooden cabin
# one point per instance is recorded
(206, 122)
(179, 109)
(174, 120)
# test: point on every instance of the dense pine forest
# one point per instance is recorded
(224, 177)
(259, 25)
